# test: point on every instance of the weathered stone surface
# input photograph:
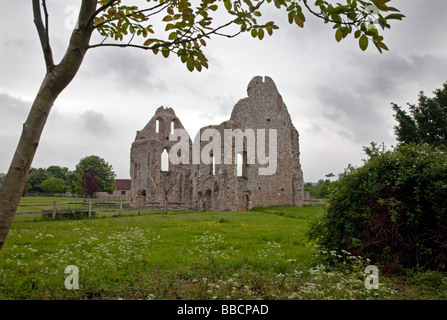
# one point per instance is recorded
(149, 182)
(221, 188)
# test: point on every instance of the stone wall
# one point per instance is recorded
(217, 184)
(149, 181)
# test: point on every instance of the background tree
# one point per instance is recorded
(53, 185)
(72, 182)
(90, 183)
(100, 168)
(35, 179)
(321, 189)
(184, 30)
(59, 172)
(426, 122)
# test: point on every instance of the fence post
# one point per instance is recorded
(121, 207)
(89, 208)
(54, 210)
(164, 206)
(139, 207)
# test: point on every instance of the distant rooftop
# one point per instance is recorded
(122, 184)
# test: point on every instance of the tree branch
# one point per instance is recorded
(169, 44)
(163, 5)
(45, 11)
(104, 6)
(43, 33)
(120, 45)
(326, 18)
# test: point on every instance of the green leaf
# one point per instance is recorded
(198, 66)
(190, 64)
(377, 46)
(336, 26)
(382, 45)
(291, 15)
(165, 52)
(169, 26)
(260, 34)
(172, 35)
(339, 9)
(254, 33)
(380, 4)
(336, 17)
(393, 9)
(227, 4)
(148, 42)
(338, 35)
(363, 42)
(167, 18)
(382, 7)
(299, 21)
(395, 16)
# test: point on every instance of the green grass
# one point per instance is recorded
(260, 254)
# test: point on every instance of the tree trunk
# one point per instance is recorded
(55, 81)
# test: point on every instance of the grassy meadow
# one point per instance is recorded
(260, 254)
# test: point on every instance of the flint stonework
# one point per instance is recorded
(217, 185)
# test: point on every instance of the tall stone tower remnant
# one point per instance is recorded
(254, 157)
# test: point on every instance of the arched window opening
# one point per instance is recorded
(157, 126)
(164, 160)
(239, 165)
(172, 127)
(213, 166)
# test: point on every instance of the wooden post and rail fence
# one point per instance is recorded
(90, 207)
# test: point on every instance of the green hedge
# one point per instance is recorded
(393, 209)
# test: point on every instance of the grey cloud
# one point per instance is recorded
(395, 72)
(362, 110)
(225, 105)
(353, 114)
(13, 113)
(209, 116)
(95, 122)
(125, 69)
(10, 106)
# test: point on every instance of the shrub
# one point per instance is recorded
(393, 209)
(67, 215)
(53, 185)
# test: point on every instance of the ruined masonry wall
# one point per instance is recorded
(263, 108)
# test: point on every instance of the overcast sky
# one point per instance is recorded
(339, 97)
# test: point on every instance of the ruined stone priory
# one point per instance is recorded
(255, 163)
